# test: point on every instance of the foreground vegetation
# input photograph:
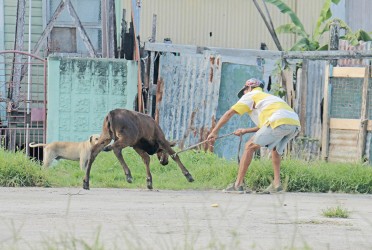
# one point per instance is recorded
(209, 172)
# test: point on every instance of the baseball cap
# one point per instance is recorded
(253, 82)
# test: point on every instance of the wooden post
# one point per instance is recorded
(269, 27)
(137, 56)
(112, 41)
(14, 88)
(104, 28)
(325, 127)
(151, 70)
(287, 78)
(122, 35)
(334, 34)
(363, 115)
(303, 94)
(153, 33)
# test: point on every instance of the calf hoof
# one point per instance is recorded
(85, 184)
(189, 177)
(149, 184)
(129, 179)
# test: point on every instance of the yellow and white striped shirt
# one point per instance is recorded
(266, 109)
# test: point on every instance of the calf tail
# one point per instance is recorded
(33, 145)
(108, 125)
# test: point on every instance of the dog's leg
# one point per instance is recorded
(146, 159)
(83, 163)
(48, 157)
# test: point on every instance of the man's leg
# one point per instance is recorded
(245, 161)
(276, 166)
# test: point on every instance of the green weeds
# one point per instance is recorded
(336, 212)
(209, 172)
(16, 170)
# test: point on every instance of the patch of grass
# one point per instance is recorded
(208, 170)
(16, 170)
(336, 212)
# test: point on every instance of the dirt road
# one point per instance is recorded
(71, 218)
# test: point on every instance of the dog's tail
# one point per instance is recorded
(33, 145)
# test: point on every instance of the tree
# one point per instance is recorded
(307, 42)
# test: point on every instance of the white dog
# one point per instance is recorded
(74, 151)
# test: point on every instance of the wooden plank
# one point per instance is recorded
(334, 34)
(348, 124)
(48, 28)
(104, 28)
(151, 84)
(83, 34)
(303, 96)
(269, 26)
(325, 129)
(311, 55)
(287, 78)
(192, 49)
(348, 72)
(112, 42)
(363, 115)
(138, 59)
(152, 68)
(14, 89)
(153, 30)
(328, 55)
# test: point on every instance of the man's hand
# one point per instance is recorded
(240, 131)
(212, 136)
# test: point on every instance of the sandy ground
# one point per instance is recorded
(73, 218)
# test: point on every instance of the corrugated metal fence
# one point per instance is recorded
(190, 97)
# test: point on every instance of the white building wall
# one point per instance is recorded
(220, 23)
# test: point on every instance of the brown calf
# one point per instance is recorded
(132, 129)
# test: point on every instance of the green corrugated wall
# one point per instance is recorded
(81, 91)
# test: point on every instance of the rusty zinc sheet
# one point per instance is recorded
(314, 96)
(362, 46)
(343, 145)
(187, 96)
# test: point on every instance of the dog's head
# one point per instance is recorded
(93, 139)
(163, 154)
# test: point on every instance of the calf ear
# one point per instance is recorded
(91, 138)
(172, 143)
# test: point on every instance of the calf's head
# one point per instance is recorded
(163, 155)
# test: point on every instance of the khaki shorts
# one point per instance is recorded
(275, 138)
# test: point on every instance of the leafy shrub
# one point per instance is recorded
(16, 170)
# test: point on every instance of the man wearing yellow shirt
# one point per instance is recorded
(276, 123)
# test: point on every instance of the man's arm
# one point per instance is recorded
(242, 131)
(224, 119)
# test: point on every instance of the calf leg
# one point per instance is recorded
(117, 146)
(146, 159)
(102, 142)
(175, 157)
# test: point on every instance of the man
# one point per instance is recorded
(276, 123)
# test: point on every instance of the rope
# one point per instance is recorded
(240, 144)
(195, 145)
